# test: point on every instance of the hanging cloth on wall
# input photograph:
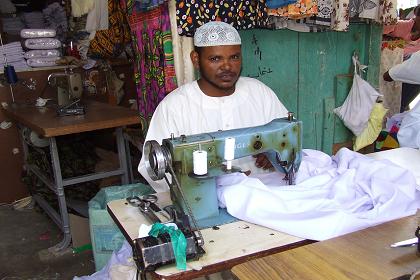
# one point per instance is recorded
(274, 4)
(143, 5)
(301, 9)
(340, 15)
(388, 12)
(154, 68)
(241, 14)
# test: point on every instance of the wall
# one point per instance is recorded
(312, 73)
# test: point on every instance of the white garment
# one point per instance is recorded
(408, 71)
(97, 18)
(81, 7)
(332, 196)
(187, 110)
(409, 132)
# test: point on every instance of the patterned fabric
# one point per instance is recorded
(142, 5)
(241, 14)
(298, 25)
(364, 9)
(154, 67)
(388, 11)
(325, 8)
(111, 42)
(340, 15)
(274, 4)
(301, 9)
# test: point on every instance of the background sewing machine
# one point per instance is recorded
(69, 86)
(280, 140)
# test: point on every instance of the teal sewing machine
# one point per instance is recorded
(193, 163)
(195, 195)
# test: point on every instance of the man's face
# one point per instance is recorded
(219, 67)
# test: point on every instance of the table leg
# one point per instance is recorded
(122, 154)
(58, 179)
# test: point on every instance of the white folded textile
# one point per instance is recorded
(41, 53)
(42, 43)
(37, 33)
(42, 61)
(332, 196)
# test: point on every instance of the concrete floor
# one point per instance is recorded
(25, 236)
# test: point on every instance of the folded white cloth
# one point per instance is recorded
(333, 195)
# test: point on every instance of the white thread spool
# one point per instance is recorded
(200, 162)
(229, 152)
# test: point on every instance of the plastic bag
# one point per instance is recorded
(409, 133)
(374, 127)
(358, 105)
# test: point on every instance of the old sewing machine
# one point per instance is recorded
(193, 163)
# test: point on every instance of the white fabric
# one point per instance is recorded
(187, 110)
(97, 18)
(409, 132)
(81, 7)
(332, 196)
(216, 33)
(358, 105)
(408, 71)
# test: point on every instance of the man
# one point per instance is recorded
(219, 100)
(407, 72)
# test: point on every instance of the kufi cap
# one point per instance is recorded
(216, 33)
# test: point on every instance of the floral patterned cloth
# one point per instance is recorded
(300, 9)
(154, 67)
(340, 15)
(242, 14)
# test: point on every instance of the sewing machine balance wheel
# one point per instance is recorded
(158, 158)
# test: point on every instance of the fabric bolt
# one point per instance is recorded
(274, 4)
(340, 15)
(187, 110)
(298, 10)
(241, 14)
(154, 66)
(391, 90)
(332, 196)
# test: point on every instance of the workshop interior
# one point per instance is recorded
(124, 160)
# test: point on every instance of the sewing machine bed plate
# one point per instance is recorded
(225, 246)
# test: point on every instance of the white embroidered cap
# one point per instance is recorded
(216, 33)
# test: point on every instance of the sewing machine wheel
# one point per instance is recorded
(157, 159)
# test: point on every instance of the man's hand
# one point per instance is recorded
(387, 77)
(262, 161)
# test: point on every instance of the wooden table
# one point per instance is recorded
(364, 254)
(226, 246)
(46, 123)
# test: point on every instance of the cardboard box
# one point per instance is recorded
(79, 228)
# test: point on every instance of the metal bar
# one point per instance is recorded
(55, 160)
(122, 154)
(34, 169)
(92, 177)
(49, 210)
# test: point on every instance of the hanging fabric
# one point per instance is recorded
(301, 9)
(241, 14)
(154, 67)
(340, 15)
(388, 12)
(274, 4)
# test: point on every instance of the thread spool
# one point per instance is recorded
(200, 162)
(10, 74)
(229, 152)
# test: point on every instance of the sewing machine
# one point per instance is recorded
(69, 86)
(194, 195)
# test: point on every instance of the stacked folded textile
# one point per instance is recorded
(42, 47)
(13, 53)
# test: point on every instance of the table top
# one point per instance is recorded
(364, 254)
(46, 122)
(225, 246)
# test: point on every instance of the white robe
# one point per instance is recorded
(332, 196)
(408, 71)
(187, 110)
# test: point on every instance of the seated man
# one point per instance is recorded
(219, 100)
(407, 72)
